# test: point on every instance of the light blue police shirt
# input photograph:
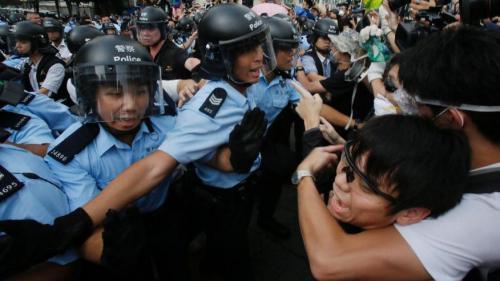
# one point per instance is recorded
(272, 97)
(35, 131)
(55, 114)
(197, 136)
(106, 157)
(40, 199)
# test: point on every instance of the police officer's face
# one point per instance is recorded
(149, 36)
(323, 44)
(248, 64)
(23, 47)
(122, 110)
(284, 58)
(54, 36)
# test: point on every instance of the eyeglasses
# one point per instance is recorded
(441, 113)
(350, 170)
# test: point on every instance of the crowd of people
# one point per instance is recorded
(127, 139)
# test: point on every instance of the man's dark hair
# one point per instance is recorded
(425, 165)
(458, 66)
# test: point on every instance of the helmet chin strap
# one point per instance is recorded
(231, 79)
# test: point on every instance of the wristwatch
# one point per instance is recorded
(299, 68)
(299, 174)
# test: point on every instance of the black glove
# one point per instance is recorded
(246, 139)
(125, 250)
(29, 242)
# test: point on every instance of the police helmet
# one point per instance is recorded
(227, 30)
(35, 34)
(283, 34)
(52, 25)
(325, 27)
(109, 26)
(7, 40)
(150, 18)
(185, 25)
(81, 35)
(123, 67)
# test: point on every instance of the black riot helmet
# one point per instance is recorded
(109, 28)
(120, 66)
(185, 25)
(323, 28)
(36, 35)
(80, 35)
(227, 30)
(52, 25)
(151, 18)
(7, 40)
(283, 34)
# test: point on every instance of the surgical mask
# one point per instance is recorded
(406, 103)
(341, 13)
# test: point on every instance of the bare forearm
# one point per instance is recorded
(91, 250)
(133, 183)
(221, 160)
(321, 234)
(334, 116)
(312, 86)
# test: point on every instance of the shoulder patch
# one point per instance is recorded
(65, 151)
(9, 184)
(4, 135)
(214, 102)
(13, 120)
(13, 94)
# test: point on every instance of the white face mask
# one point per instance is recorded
(341, 13)
(406, 103)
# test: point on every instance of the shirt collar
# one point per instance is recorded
(235, 95)
(105, 140)
(321, 57)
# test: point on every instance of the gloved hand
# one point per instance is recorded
(246, 139)
(125, 250)
(28, 242)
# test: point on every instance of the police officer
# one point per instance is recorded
(118, 91)
(109, 28)
(317, 61)
(45, 72)
(55, 31)
(212, 114)
(152, 33)
(19, 126)
(29, 190)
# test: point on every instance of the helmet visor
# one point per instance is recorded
(259, 44)
(118, 93)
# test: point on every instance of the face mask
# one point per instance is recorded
(406, 103)
(341, 13)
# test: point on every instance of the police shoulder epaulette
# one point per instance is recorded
(14, 93)
(9, 184)
(65, 151)
(13, 120)
(4, 135)
(214, 102)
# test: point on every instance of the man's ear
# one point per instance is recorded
(458, 118)
(412, 215)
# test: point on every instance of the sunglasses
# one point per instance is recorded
(351, 170)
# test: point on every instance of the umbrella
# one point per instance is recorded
(270, 9)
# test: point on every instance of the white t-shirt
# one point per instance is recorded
(466, 237)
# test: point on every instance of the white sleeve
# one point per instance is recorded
(465, 237)
(375, 71)
(170, 86)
